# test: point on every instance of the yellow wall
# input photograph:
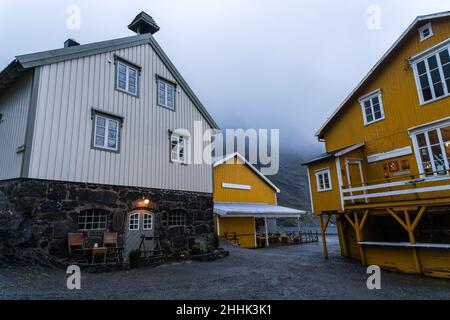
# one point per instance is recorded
(244, 227)
(239, 173)
(327, 200)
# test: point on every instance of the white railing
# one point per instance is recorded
(417, 189)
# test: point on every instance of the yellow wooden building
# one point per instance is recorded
(245, 202)
(386, 170)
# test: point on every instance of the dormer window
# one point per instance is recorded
(372, 107)
(426, 32)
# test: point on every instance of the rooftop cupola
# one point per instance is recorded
(143, 23)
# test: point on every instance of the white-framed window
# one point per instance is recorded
(432, 75)
(323, 178)
(92, 220)
(426, 32)
(106, 132)
(166, 94)
(178, 148)
(176, 219)
(133, 221)
(148, 221)
(127, 78)
(432, 147)
(372, 107)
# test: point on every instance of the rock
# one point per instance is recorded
(50, 206)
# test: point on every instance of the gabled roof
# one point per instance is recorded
(412, 27)
(27, 61)
(335, 154)
(226, 158)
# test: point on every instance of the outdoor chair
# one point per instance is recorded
(111, 240)
(75, 242)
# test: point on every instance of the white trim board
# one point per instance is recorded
(236, 186)
(389, 154)
(225, 160)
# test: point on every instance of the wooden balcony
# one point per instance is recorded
(404, 191)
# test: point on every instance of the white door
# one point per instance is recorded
(139, 227)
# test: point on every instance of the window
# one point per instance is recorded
(323, 180)
(147, 221)
(133, 222)
(425, 32)
(127, 77)
(372, 107)
(178, 144)
(433, 76)
(106, 132)
(176, 219)
(166, 94)
(92, 220)
(433, 151)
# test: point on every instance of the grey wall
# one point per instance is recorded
(14, 104)
(62, 133)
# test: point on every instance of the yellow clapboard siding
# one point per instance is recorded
(240, 173)
(243, 227)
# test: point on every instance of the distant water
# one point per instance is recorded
(331, 230)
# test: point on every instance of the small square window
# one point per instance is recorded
(426, 32)
(178, 148)
(372, 107)
(106, 132)
(127, 77)
(323, 179)
(166, 94)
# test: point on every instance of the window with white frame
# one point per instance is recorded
(372, 107)
(127, 78)
(323, 178)
(433, 151)
(178, 148)
(92, 220)
(433, 75)
(106, 132)
(176, 218)
(426, 32)
(133, 222)
(166, 94)
(147, 224)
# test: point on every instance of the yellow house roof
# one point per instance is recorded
(405, 34)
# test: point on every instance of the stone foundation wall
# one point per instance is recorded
(36, 215)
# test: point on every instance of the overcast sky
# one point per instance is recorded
(283, 64)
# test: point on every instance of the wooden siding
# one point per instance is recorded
(62, 136)
(401, 105)
(14, 105)
(327, 200)
(239, 173)
(243, 227)
(402, 111)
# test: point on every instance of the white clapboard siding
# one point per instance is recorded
(14, 103)
(62, 134)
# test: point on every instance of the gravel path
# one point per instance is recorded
(294, 272)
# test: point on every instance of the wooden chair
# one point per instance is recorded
(111, 240)
(75, 240)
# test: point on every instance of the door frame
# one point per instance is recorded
(361, 173)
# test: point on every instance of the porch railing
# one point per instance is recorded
(388, 188)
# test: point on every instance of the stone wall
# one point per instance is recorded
(36, 215)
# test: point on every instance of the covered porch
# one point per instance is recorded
(254, 225)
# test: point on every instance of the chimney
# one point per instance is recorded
(143, 23)
(70, 43)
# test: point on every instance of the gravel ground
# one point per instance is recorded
(293, 272)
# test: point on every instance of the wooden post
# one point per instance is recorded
(298, 225)
(324, 238)
(359, 238)
(412, 239)
(267, 233)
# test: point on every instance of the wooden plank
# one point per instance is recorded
(396, 217)
(418, 218)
